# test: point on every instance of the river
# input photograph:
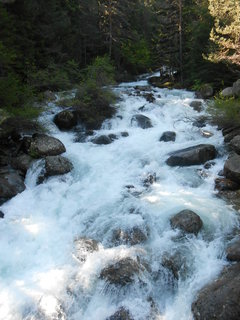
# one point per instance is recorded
(45, 275)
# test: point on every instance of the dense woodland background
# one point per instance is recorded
(47, 45)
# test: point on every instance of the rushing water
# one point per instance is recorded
(40, 275)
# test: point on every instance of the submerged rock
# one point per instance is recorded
(1, 215)
(121, 314)
(192, 156)
(233, 251)
(175, 263)
(83, 246)
(187, 221)
(102, 140)
(122, 272)
(65, 120)
(232, 168)
(11, 183)
(42, 145)
(141, 121)
(168, 136)
(131, 236)
(196, 105)
(220, 300)
(57, 165)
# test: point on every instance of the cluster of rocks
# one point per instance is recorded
(232, 91)
(20, 146)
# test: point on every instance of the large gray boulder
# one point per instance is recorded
(227, 92)
(121, 314)
(220, 300)
(42, 145)
(232, 168)
(141, 121)
(192, 156)
(187, 221)
(122, 272)
(206, 91)
(57, 165)
(236, 88)
(65, 120)
(11, 183)
(235, 144)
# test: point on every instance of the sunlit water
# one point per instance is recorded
(40, 277)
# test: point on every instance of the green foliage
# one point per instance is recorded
(226, 111)
(101, 72)
(13, 93)
(137, 55)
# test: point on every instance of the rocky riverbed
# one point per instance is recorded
(136, 220)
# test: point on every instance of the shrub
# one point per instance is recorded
(225, 111)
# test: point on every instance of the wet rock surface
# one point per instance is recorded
(83, 246)
(57, 165)
(121, 314)
(187, 221)
(235, 144)
(232, 168)
(122, 272)
(196, 105)
(168, 136)
(131, 236)
(102, 140)
(22, 162)
(220, 300)
(11, 183)
(192, 156)
(43, 145)
(65, 120)
(233, 251)
(141, 121)
(223, 184)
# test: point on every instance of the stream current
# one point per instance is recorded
(45, 275)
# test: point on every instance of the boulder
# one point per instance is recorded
(121, 314)
(56, 165)
(196, 105)
(141, 121)
(192, 156)
(200, 122)
(232, 197)
(168, 136)
(206, 91)
(124, 134)
(220, 300)
(223, 184)
(131, 236)
(233, 251)
(42, 145)
(65, 120)
(11, 183)
(22, 163)
(235, 144)
(102, 140)
(1, 215)
(227, 92)
(232, 168)
(236, 88)
(83, 246)
(122, 272)
(187, 221)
